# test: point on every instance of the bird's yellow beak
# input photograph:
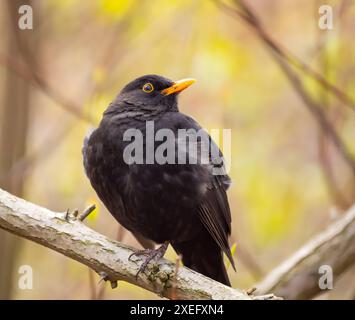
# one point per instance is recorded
(178, 86)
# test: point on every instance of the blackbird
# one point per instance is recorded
(182, 204)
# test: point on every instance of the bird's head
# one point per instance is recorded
(153, 91)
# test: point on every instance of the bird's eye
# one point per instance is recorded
(148, 87)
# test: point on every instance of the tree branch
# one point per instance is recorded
(298, 276)
(69, 236)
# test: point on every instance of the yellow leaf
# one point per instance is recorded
(114, 7)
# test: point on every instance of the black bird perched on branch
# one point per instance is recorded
(184, 204)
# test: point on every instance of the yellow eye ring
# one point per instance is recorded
(148, 87)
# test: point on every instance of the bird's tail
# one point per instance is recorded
(203, 255)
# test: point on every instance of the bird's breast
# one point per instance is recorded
(157, 200)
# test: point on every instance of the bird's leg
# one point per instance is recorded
(150, 254)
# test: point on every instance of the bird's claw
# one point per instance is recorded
(151, 254)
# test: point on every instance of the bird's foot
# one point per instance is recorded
(151, 254)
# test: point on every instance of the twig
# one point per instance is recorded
(251, 290)
(22, 168)
(67, 213)
(248, 260)
(86, 212)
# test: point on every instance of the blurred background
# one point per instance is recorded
(290, 179)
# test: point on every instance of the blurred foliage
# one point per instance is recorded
(279, 197)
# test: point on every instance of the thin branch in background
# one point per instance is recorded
(297, 62)
(97, 291)
(324, 152)
(23, 167)
(284, 60)
(248, 16)
(320, 116)
(133, 53)
(250, 262)
(340, 11)
(344, 5)
(108, 56)
(120, 233)
(40, 82)
(101, 291)
(328, 173)
(31, 72)
(92, 284)
(247, 259)
(298, 276)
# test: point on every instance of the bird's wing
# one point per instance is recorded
(214, 211)
(215, 215)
